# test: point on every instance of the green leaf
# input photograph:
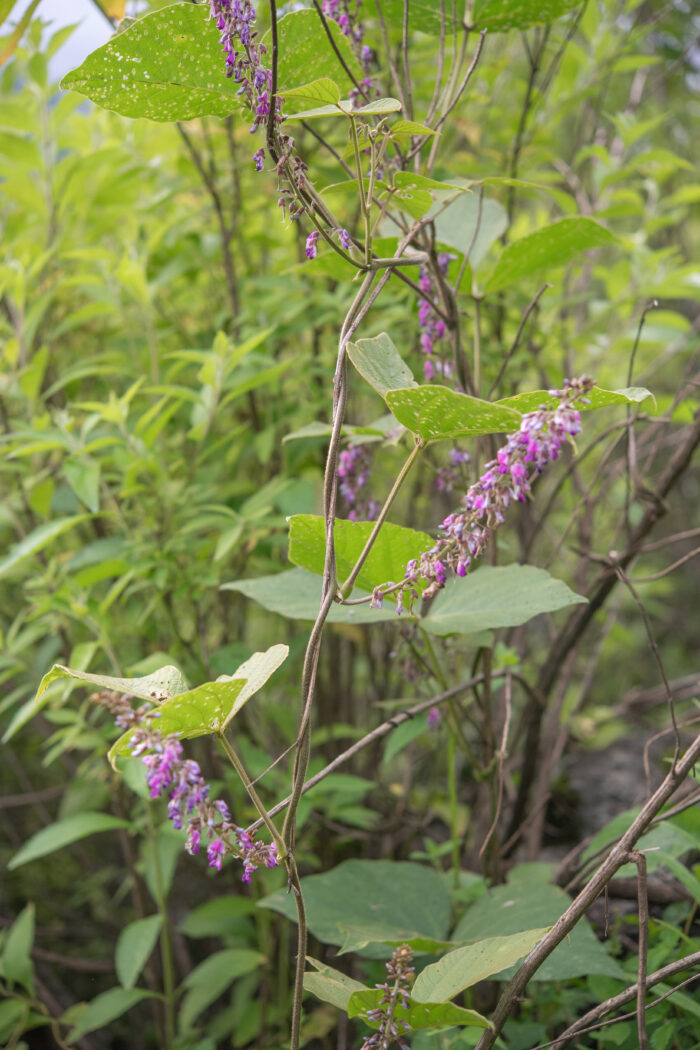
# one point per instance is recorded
(528, 897)
(39, 538)
(416, 1015)
(385, 563)
(410, 127)
(306, 55)
(436, 413)
(212, 977)
(496, 596)
(210, 707)
(467, 966)
(331, 986)
(596, 398)
(499, 15)
(296, 594)
(394, 898)
(545, 250)
(379, 362)
(134, 946)
(471, 227)
(323, 90)
(63, 833)
(106, 1008)
(219, 917)
(164, 683)
(167, 66)
(83, 476)
(338, 109)
(16, 955)
(380, 105)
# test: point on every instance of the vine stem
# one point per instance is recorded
(346, 588)
(242, 772)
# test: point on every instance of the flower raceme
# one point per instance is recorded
(189, 804)
(506, 479)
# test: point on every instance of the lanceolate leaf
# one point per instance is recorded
(467, 966)
(38, 539)
(331, 986)
(496, 596)
(545, 250)
(167, 66)
(105, 1008)
(437, 413)
(386, 562)
(134, 946)
(63, 833)
(499, 15)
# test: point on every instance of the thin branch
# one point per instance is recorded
(523, 321)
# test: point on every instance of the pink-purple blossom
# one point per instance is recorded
(506, 479)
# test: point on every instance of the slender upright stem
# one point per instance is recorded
(357, 568)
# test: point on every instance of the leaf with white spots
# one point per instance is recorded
(306, 54)
(436, 413)
(210, 707)
(167, 66)
(165, 682)
(543, 251)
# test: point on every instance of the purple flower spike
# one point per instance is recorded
(259, 159)
(344, 238)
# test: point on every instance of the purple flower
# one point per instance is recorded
(434, 717)
(216, 851)
(344, 238)
(259, 159)
(311, 240)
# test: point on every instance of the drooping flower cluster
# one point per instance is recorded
(395, 993)
(433, 326)
(189, 804)
(235, 20)
(353, 474)
(506, 479)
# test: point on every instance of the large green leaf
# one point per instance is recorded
(379, 900)
(207, 981)
(529, 897)
(105, 1008)
(437, 413)
(496, 596)
(467, 224)
(296, 594)
(134, 946)
(499, 15)
(467, 966)
(414, 1015)
(545, 250)
(531, 400)
(37, 539)
(386, 562)
(306, 55)
(210, 707)
(379, 362)
(165, 682)
(167, 66)
(63, 833)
